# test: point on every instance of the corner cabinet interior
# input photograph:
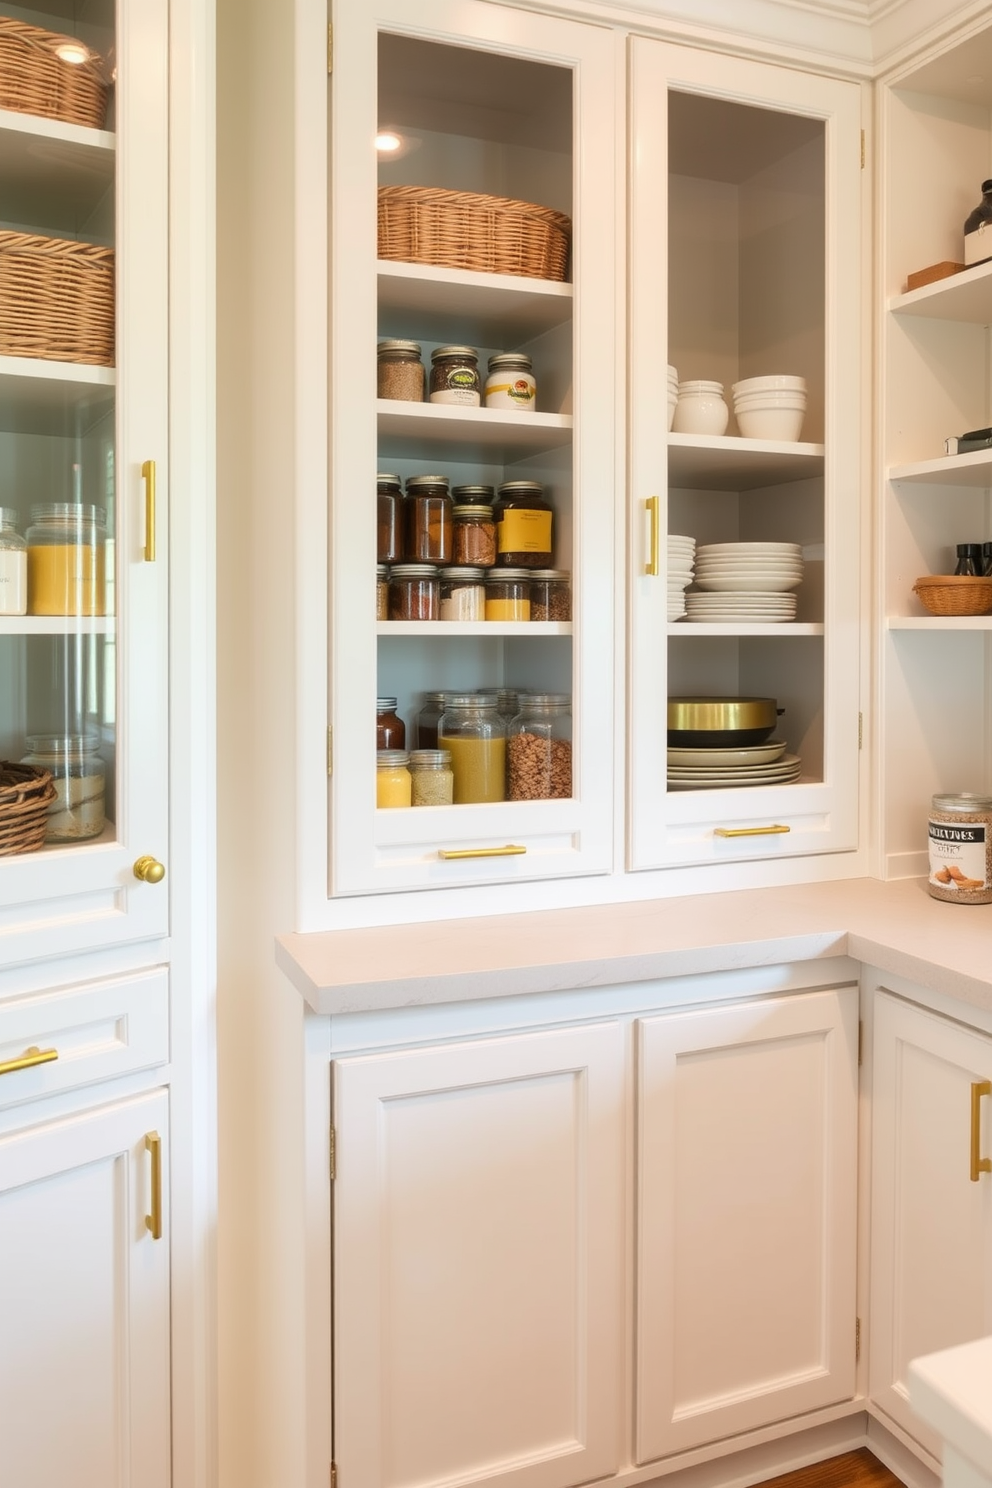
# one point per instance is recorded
(745, 262)
(935, 130)
(519, 106)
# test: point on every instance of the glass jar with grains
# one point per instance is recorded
(399, 371)
(474, 536)
(414, 592)
(550, 594)
(80, 775)
(455, 376)
(429, 524)
(960, 833)
(463, 594)
(508, 594)
(472, 730)
(473, 495)
(524, 525)
(393, 785)
(433, 778)
(539, 749)
(510, 384)
(381, 591)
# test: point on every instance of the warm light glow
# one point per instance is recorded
(72, 51)
(388, 143)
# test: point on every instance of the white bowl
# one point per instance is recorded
(760, 384)
(770, 400)
(700, 385)
(700, 413)
(770, 423)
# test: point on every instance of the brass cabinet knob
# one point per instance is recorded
(149, 869)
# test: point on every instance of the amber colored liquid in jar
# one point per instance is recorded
(479, 767)
(507, 609)
(66, 579)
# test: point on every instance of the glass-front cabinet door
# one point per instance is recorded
(83, 474)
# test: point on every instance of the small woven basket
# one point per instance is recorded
(26, 792)
(955, 594)
(462, 230)
(35, 80)
(56, 299)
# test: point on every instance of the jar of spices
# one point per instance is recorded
(400, 372)
(473, 495)
(428, 520)
(510, 383)
(13, 566)
(473, 731)
(960, 834)
(550, 594)
(389, 519)
(393, 786)
(539, 749)
(433, 777)
(67, 559)
(414, 592)
(390, 730)
(455, 376)
(508, 594)
(524, 525)
(474, 536)
(427, 719)
(463, 594)
(381, 592)
(78, 811)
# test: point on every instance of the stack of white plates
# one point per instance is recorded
(681, 552)
(722, 769)
(751, 605)
(762, 568)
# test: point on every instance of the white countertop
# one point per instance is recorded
(952, 1391)
(897, 927)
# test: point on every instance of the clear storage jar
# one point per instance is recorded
(381, 592)
(393, 785)
(473, 495)
(474, 537)
(524, 525)
(390, 730)
(463, 594)
(960, 841)
(428, 520)
(67, 559)
(508, 594)
(78, 812)
(427, 719)
(389, 519)
(455, 376)
(539, 749)
(550, 594)
(507, 700)
(510, 383)
(13, 566)
(414, 592)
(432, 776)
(400, 371)
(473, 731)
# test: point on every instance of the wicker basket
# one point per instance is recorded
(35, 80)
(56, 299)
(955, 594)
(460, 230)
(25, 794)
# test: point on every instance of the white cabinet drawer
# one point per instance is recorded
(89, 1033)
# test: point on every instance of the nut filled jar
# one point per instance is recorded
(550, 594)
(414, 592)
(510, 383)
(393, 786)
(455, 376)
(13, 566)
(473, 731)
(432, 776)
(381, 592)
(539, 749)
(474, 537)
(399, 371)
(524, 525)
(389, 519)
(78, 811)
(390, 730)
(508, 594)
(428, 520)
(67, 559)
(960, 837)
(463, 594)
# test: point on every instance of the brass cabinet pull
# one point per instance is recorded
(775, 828)
(509, 851)
(148, 476)
(653, 565)
(149, 869)
(153, 1221)
(979, 1164)
(28, 1060)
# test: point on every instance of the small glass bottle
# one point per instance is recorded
(524, 525)
(473, 495)
(67, 559)
(474, 536)
(550, 594)
(463, 594)
(433, 777)
(78, 812)
(539, 749)
(508, 594)
(472, 729)
(389, 519)
(13, 566)
(414, 592)
(510, 383)
(381, 592)
(390, 730)
(399, 371)
(427, 719)
(428, 520)
(455, 376)
(393, 786)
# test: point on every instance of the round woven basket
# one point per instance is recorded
(464, 230)
(26, 792)
(56, 299)
(955, 594)
(35, 80)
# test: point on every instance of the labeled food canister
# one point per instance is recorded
(463, 594)
(390, 730)
(428, 523)
(474, 536)
(389, 519)
(67, 559)
(473, 731)
(508, 594)
(960, 835)
(539, 749)
(414, 592)
(455, 376)
(78, 811)
(13, 566)
(550, 594)
(393, 786)
(524, 525)
(510, 383)
(381, 592)
(400, 371)
(433, 777)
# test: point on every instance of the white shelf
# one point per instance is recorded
(422, 628)
(458, 305)
(742, 628)
(727, 463)
(965, 297)
(973, 470)
(939, 622)
(64, 625)
(438, 431)
(44, 397)
(53, 175)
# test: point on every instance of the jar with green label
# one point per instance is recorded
(455, 376)
(524, 525)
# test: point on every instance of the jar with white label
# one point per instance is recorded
(510, 383)
(13, 566)
(960, 836)
(80, 775)
(455, 376)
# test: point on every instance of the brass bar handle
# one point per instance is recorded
(979, 1164)
(153, 1221)
(653, 565)
(509, 851)
(776, 829)
(148, 476)
(28, 1060)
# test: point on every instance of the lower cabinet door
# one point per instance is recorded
(478, 1286)
(84, 1300)
(931, 1227)
(747, 1173)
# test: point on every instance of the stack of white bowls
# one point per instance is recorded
(746, 581)
(681, 551)
(673, 391)
(770, 407)
(701, 408)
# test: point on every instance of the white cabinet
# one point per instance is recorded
(84, 1295)
(747, 1166)
(931, 1229)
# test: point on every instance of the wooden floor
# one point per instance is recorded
(858, 1469)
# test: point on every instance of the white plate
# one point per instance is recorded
(750, 754)
(741, 565)
(706, 784)
(761, 583)
(749, 548)
(761, 770)
(752, 776)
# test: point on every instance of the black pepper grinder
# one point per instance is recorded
(970, 560)
(977, 237)
(987, 559)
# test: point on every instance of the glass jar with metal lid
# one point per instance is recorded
(472, 729)
(393, 786)
(473, 495)
(524, 525)
(78, 812)
(960, 837)
(428, 520)
(539, 748)
(13, 566)
(67, 559)
(455, 376)
(433, 777)
(400, 371)
(427, 719)
(389, 519)
(381, 591)
(390, 730)
(474, 536)
(507, 700)
(508, 594)
(510, 383)
(414, 592)
(463, 594)
(550, 594)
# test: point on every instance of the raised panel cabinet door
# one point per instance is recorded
(747, 1171)
(931, 1228)
(84, 1300)
(477, 1262)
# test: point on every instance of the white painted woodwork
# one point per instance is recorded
(84, 1296)
(931, 1228)
(477, 1253)
(747, 1164)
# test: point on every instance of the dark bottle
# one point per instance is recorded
(970, 560)
(389, 547)
(987, 559)
(390, 730)
(982, 214)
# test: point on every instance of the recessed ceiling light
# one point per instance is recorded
(388, 142)
(72, 51)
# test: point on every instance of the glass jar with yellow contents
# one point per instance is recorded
(393, 785)
(473, 732)
(67, 544)
(508, 594)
